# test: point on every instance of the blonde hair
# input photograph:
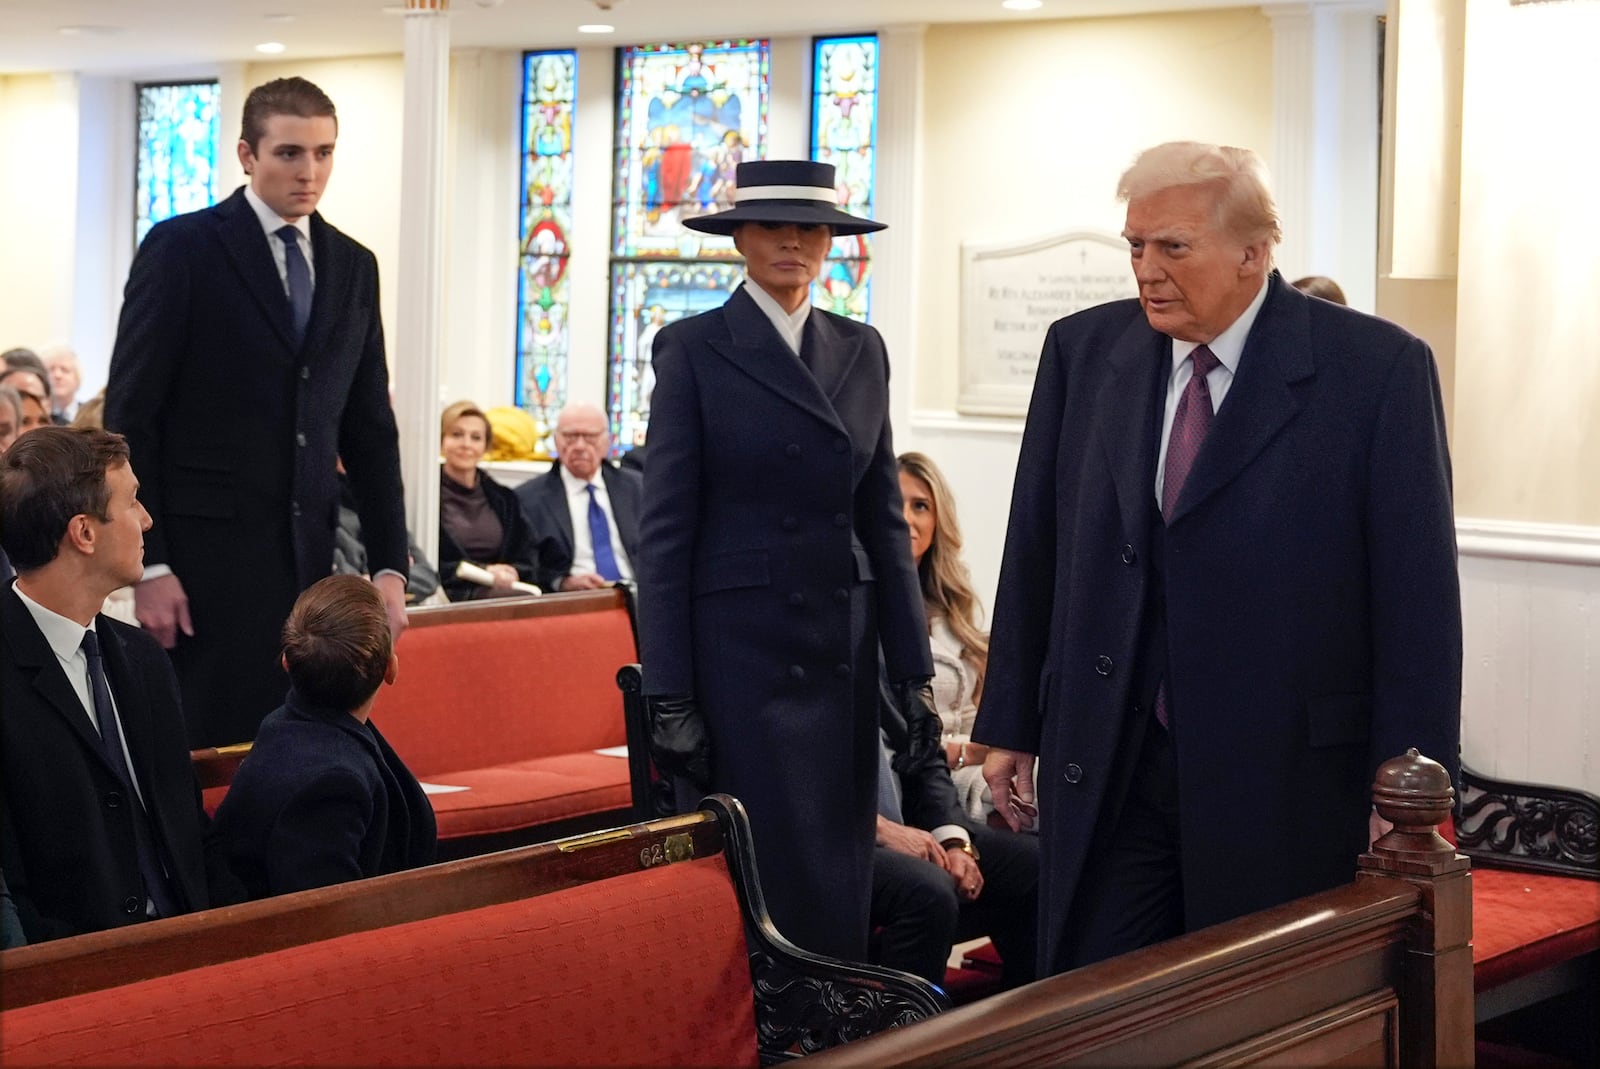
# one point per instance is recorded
(946, 582)
(459, 410)
(1244, 205)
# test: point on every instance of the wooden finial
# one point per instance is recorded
(1414, 794)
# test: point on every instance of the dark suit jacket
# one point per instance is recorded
(66, 832)
(517, 547)
(321, 799)
(544, 500)
(773, 560)
(234, 427)
(1312, 609)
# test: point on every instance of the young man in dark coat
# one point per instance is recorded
(774, 558)
(100, 822)
(249, 357)
(322, 799)
(1229, 588)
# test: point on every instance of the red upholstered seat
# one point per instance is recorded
(513, 709)
(1523, 922)
(512, 984)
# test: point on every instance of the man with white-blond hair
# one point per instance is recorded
(585, 512)
(1229, 588)
(66, 377)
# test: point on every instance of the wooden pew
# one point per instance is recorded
(664, 922)
(1375, 973)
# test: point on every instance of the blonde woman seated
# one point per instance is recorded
(960, 646)
(480, 521)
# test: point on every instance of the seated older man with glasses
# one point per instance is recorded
(585, 512)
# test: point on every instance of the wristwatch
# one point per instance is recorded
(964, 845)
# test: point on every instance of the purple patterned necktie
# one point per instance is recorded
(1189, 426)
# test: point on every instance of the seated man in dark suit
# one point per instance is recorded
(101, 822)
(939, 878)
(322, 799)
(585, 511)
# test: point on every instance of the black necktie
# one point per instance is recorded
(156, 888)
(299, 272)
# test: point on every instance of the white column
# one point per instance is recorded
(1324, 156)
(897, 201)
(418, 326)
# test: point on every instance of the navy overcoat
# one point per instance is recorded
(1312, 602)
(773, 558)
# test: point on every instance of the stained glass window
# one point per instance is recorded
(549, 89)
(687, 114)
(178, 136)
(844, 132)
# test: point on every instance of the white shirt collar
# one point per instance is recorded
(1229, 345)
(272, 222)
(575, 485)
(64, 636)
(791, 326)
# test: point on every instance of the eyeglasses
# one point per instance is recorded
(592, 437)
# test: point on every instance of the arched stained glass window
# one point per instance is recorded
(844, 132)
(549, 90)
(177, 165)
(687, 114)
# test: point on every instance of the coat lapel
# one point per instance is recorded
(133, 708)
(1125, 410)
(555, 505)
(246, 248)
(829, 352)
(34, 656)
(334, 276)
(1260, 401)
(755, 349)
(621, 507)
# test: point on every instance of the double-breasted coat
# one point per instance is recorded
(1312, 607)
(234, 425)
(773, 558)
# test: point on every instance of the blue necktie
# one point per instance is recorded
(299, 272)
(156, 888)
(605, 558)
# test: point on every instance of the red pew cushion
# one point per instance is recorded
(1523, 922)
(519, 794)
(609, 973)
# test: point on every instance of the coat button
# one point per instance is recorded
(1103, 665)
(840, 445)
(841, 520)
(1073, 774)
(113, 800)
(1128, 555)
(797, 599)
(842, 671)
(305, 372)
(294, 508)
(792, 451)
(131, 905)
(300, 439)
(790, 523)
(841, 595)
(796, 672)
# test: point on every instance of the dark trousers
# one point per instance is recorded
(919, 917)
(1131, 894)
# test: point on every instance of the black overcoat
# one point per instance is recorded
(1312, 602)
(234, 428)
(66, 831)
(773, 558)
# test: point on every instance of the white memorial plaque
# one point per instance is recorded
(1011, 293)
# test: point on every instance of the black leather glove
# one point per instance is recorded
(924, 729)
(679, 743)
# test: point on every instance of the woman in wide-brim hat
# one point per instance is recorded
(775, 558)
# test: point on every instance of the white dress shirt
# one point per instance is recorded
(1226, 347)
(66, 642)
(271, 223)
(582, 543)
(791, 326)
